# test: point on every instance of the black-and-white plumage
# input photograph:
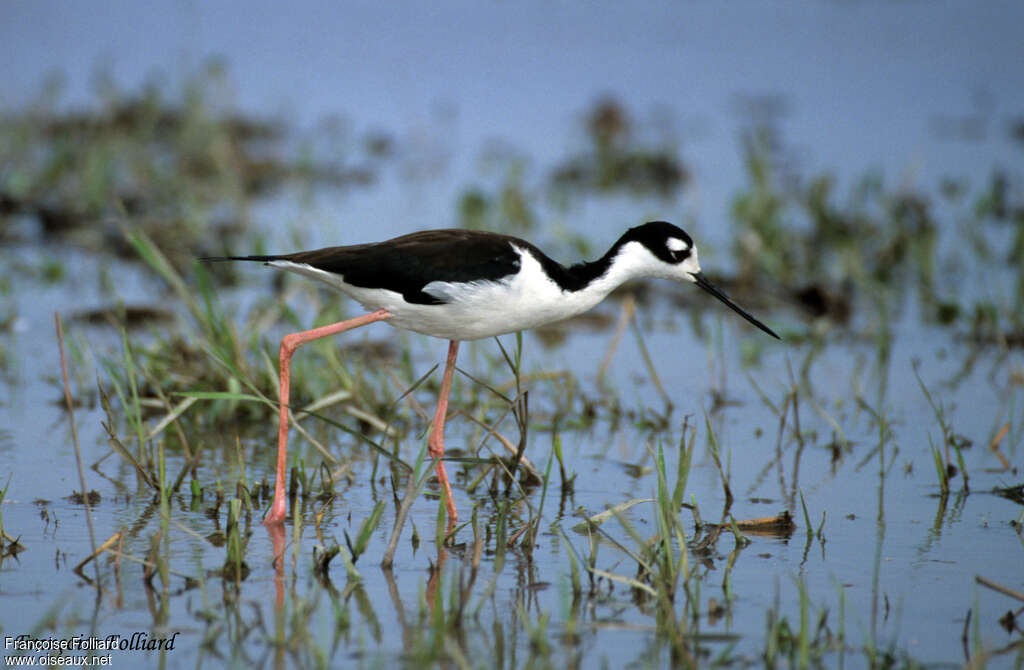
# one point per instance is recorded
(467, 285)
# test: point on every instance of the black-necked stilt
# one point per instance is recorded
(467, 285)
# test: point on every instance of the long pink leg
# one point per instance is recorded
(435, 445)
(289, 343)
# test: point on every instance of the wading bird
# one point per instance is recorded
(466, 285)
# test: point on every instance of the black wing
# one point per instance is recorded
(408, 263)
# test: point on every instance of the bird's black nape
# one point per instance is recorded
(702, 282)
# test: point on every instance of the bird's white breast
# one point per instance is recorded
(471, 310)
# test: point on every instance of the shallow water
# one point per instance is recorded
(894, 568)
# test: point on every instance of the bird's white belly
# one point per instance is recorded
(475, 310)
(472, 310)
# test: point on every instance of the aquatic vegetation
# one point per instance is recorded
(629, 514)
(181, 168)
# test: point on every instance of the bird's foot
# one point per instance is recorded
(278, 511)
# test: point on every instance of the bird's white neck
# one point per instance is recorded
(626, 263)
(542, 292)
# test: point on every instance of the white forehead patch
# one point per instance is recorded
(676, 244)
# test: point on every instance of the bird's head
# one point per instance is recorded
(669, 253)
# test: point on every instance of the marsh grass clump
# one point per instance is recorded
(661, 582)
(182, 168)
(805, 645)
(352, 549)
(941, 455)
(161, 381)
(235, 568)
(619, 159)
(141, 155)
(836, 256)
(9, 546)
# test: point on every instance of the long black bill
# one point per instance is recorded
(710, 288)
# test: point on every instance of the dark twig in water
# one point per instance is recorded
(412, 490)
(1005, 590)
(74, 439)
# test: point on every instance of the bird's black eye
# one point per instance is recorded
(678, 249)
